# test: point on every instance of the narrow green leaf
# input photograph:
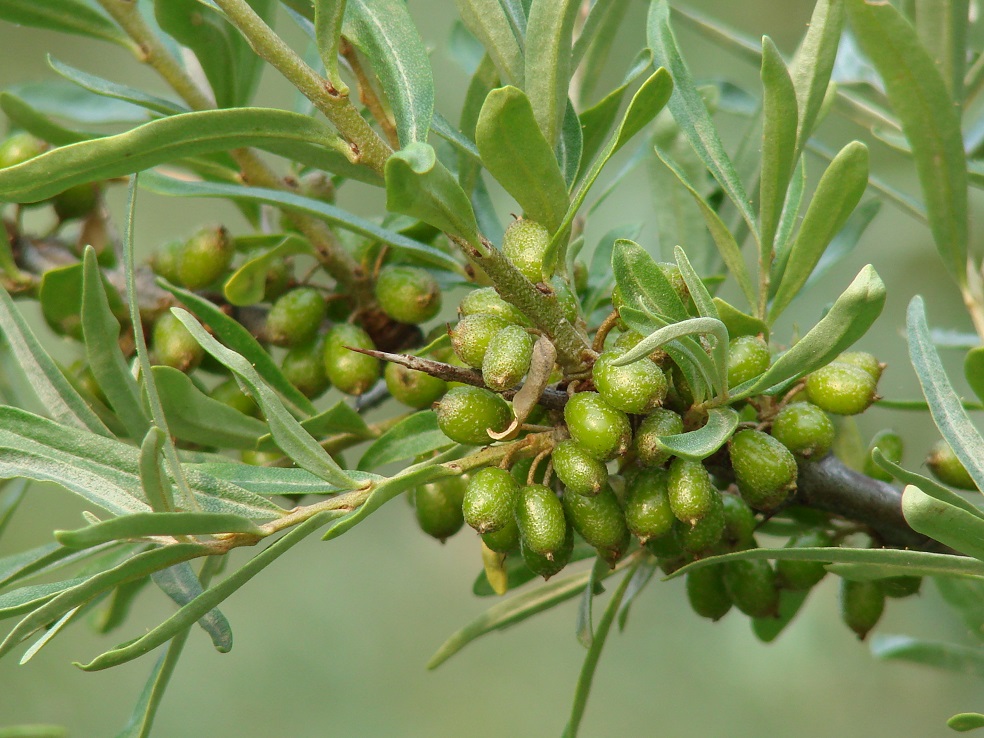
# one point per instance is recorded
(701, 443)
(965, 721)
(515, 152)
(27, 599)
(703, 301)
(944, 405)
(739, 323)
(927, 485)
(338, 419)
(547, 74)
(385, 33)
(673, 331)
(412, 437)
(943, 522)
(143, 525)
(272, 480)
(847, 320)
(296, 442)
(165, 140)
(691, 113)
(837, 194)
(930, 120)
(45, 558)
(156, 488)
(845, 241)
(788, 221)
(790, 603)
(182, 585)
(813, 63)
(21, 113)
(50, 632)
(974, 370)
(195, 417)
(118, 606)
(639, 579)
(66, 16)
(570, 146)
(779, 122)
(942, 26)
(240, 340)
(511, 611)
(490, 21)
(145, 710)
(34, 731)
(328, 15)
(585, 623)
(949, 656)
(642, 283)
(115, 90)
(11, 495)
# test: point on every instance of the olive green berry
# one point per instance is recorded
(541, 520)
(504, 540)
(703, 536)
(647, 505)
(861, 605)
(636, 387)
(545, 566)
(891, 446)
(20, 147)
(174, 345)
(76, 202)
(660, 422)
(466, 414)
(205, 257)
(841, 389)
(507, 358)
(600, 522)
(351, 372)
(739, 523)
(748, 357)
(490, 500)
(899, 587)
(948, 468)
(525, 243)
(706, 592)
(486, 300)
(438, 507)
(675, 277)
(411, 387)
(690, 490)
(751, 584)
(304, 367)
(804, 429)
(229, 393)
(601, 430)
(165, 261)
(864, 360)
(793, 574)
(295, 317)
(581, 473)
(408, 294)
(764, 469)
(471, 336)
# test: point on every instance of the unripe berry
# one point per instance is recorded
(842, 389)
(505, 540)
(229, 393)
(205, 257)
(487, 301)
(408, 294)
(705, 534)
(863, 360)
(277, 280)
(637, 387)
(628, 340)
(579, 276)
(466, 414)
(542, 565)
(707, 593)
(165, 261)
(598, 428)
(351, 372)
(507, 358)
(948, 468)
(411, 387)
(581, 473)
(764, 469)
(862, 605)
(600, 522)
(295, 317)
(525, 243)
(541, 520)
(794, 574)
(647, 505)
(660, 422)
(470, 338)
(804, 429)
(899, 587)
(438, 507)
(304, 367)
(691, 493)
(77, 201)
(675, 277)
(490, 499)
(748, 357)
(174, 345)
(751, 584)
(20, 147)
(739, 523)
(891, 446)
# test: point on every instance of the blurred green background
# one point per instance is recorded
(332, 639)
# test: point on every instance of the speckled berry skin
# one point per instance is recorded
(861, 605)
(841, 389)
(601, 430)
(351, 372)
(547, 566)
(490, 499)
(525, 243)
(599, 520)
(637, 387)
(946, 467)
(304, 367)
(471, 336)
(465, 414)
(411, 387)
(505, 540)
(748, 357)
(863, 360)
(764, 469)
(705, 534)
(890, 444)
(408, 294)
(804, 429)
(487, 301)
(507, 358)
(438, 507)
(690, 490)
(229, 393)
(174, 345)
(803, 575)
(660, 422)
(581, 473)
(295, 317)
(647, 505)
(752, 587)
(205, 257)
(706, 592)
(739, 523)
(540, 517)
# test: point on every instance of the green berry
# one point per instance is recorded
(295, 317)
(739, 523)
(490, 500)
(899, 587)
(351, 372)
(598, 428)
(637, 387)
(470, 338)
(648, 513)
(600, 522)
(77, 201)
(545, 566)
(438, 507)
(466, 414)
(861, 605)
(764, 469)
(260, 458)
(165, 261)
(20, 147)
(660, 422)
(891, 446)
(748, 357)
(229, 393)
(704, 535)
(751, 584)
(487, 301)
(174, 345)
(580, 276)
(540, 517)
(841, 389)
(804, 429)
(507, 358)
(691, 493)
(948, 468)
(675, 277)
(277, 280)
(205, 257)
(525, 243)
(581, 473)
(408, 294)
(794, 574)
(629, 339)
(863, 360)
(304, 367)
(505, 540)
(411, 387)
(707, 593)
